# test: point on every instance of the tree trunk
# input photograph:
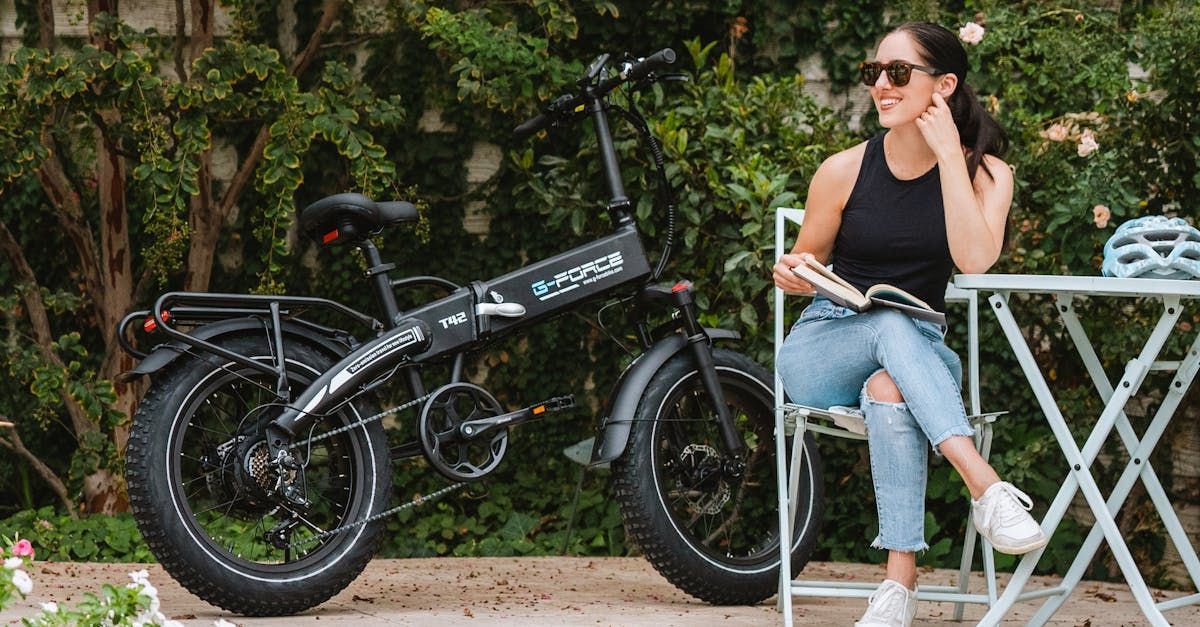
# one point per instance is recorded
(102, 490)
(204, 218)
(12, 441)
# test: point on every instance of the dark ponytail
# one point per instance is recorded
(977, 129)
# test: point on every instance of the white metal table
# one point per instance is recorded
(1173, 295)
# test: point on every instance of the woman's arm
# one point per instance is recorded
(827, 194)
(977, 211)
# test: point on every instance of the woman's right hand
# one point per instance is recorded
(786, 280)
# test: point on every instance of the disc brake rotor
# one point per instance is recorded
(709, 491)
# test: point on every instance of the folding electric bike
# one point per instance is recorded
(258, 465)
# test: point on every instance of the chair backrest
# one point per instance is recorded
(785, 216)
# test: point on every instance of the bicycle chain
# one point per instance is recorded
(395, 510)
(420, 500)
(369, 419)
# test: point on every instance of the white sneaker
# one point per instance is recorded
(1002, 516)
(891, 605)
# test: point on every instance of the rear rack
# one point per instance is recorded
(201, 307)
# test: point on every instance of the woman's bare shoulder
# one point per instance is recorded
(841, 168)
(993, 172)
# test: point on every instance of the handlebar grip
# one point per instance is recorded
(531, 126)
(659, 59)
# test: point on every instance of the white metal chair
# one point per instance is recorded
(796, 420)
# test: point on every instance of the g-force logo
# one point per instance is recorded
(583, 274)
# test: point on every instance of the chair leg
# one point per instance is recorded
(964, 568)
(983, 442)
(794, 471)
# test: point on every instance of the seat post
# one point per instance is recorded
(378, 272)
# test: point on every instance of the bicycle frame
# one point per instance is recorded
(468, 317)
(457, 322)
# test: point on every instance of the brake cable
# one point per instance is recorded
(665, 193)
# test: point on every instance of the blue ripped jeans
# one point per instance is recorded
(827, 359)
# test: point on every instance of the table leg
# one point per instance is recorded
(1080, 477)
(1139, 466)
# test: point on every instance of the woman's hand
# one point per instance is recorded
(938, 129)
(786, 280)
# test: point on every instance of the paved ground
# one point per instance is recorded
(559, 591)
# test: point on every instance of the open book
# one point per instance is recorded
(836, 289)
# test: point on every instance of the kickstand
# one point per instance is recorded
(575, 501)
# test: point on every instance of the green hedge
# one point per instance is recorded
(742, 139)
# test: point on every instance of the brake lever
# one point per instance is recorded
(594, 70)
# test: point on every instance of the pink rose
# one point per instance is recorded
(23, 548)
(1056, 133)
(1100, 215)
(971, 33)
(1087, 143)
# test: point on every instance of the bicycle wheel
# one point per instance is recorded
(201, 487)
(712, 534)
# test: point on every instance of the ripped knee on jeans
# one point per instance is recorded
(880, 388)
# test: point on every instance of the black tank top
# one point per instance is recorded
(894, 231)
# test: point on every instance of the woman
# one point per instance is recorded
(906, 208)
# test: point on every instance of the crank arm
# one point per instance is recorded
(473, 429)
(406, 450)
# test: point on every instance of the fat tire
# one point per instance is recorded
(640, 485)
(210, 574)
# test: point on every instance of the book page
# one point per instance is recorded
(893, 293)
(826, 272)
(920, 313)
(834, 289)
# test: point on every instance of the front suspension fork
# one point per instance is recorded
(680, 295)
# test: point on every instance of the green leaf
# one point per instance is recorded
(737, 258)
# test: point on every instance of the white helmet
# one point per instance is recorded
(1154, 247)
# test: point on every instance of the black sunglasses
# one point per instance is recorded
(899, 72)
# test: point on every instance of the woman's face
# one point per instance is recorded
(901, 105)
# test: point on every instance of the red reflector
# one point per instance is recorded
(681, 286)
(150, 324)
(329, 237)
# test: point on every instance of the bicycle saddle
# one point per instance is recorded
(351, 217)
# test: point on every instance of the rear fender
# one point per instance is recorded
(618, 424)
(164, 354)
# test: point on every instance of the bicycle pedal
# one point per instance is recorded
(558, 403)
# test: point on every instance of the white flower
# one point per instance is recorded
(221, 622)
(971, 33)
(140, 576)
(21, 580)
(14, 563)
(1087, 143)
(172, 623)
(50, 607)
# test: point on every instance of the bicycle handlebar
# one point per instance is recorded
(642, 68)
(531, 126)
(566, 104)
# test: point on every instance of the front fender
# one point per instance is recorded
(164, 354)
(617, 425)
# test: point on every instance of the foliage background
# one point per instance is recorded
(742, 139)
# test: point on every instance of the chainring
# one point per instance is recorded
(449, 452)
